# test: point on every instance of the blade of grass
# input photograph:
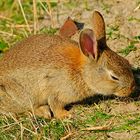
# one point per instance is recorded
(48, 11)
(67, 136)
(35, 16)
(19, 26)
(5, 18)
(6, 33)
(23, 13)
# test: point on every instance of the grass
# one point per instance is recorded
(3, 46)
(128, 49)
(26, 127)
(131, 46)
(19, 20)
(113, 32)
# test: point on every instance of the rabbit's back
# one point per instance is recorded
(37, 51)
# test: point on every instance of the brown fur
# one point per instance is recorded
(69, 28)
(44, 73)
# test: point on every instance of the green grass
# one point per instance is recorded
(129, 125)
(54, 129)
(27, 127)
(14, 27)
(3, 46)
(106, 7)
(98, 116)
(113, 32)
(131, 46)
(132, 19)
(128, 49)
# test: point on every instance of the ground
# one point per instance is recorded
(98, 118)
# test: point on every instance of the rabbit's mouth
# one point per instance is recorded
(125, 91)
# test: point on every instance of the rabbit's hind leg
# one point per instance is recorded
(13, 96)
(4, 100)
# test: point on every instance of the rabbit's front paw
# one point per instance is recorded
(43, 111)
(62, 114)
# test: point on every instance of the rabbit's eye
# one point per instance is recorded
(114, 78)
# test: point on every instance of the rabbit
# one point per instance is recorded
(43, 73)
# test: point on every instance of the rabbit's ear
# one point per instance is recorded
(88, 43)
(69, 28)
(98, 25)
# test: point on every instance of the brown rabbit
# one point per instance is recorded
(44, 73)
